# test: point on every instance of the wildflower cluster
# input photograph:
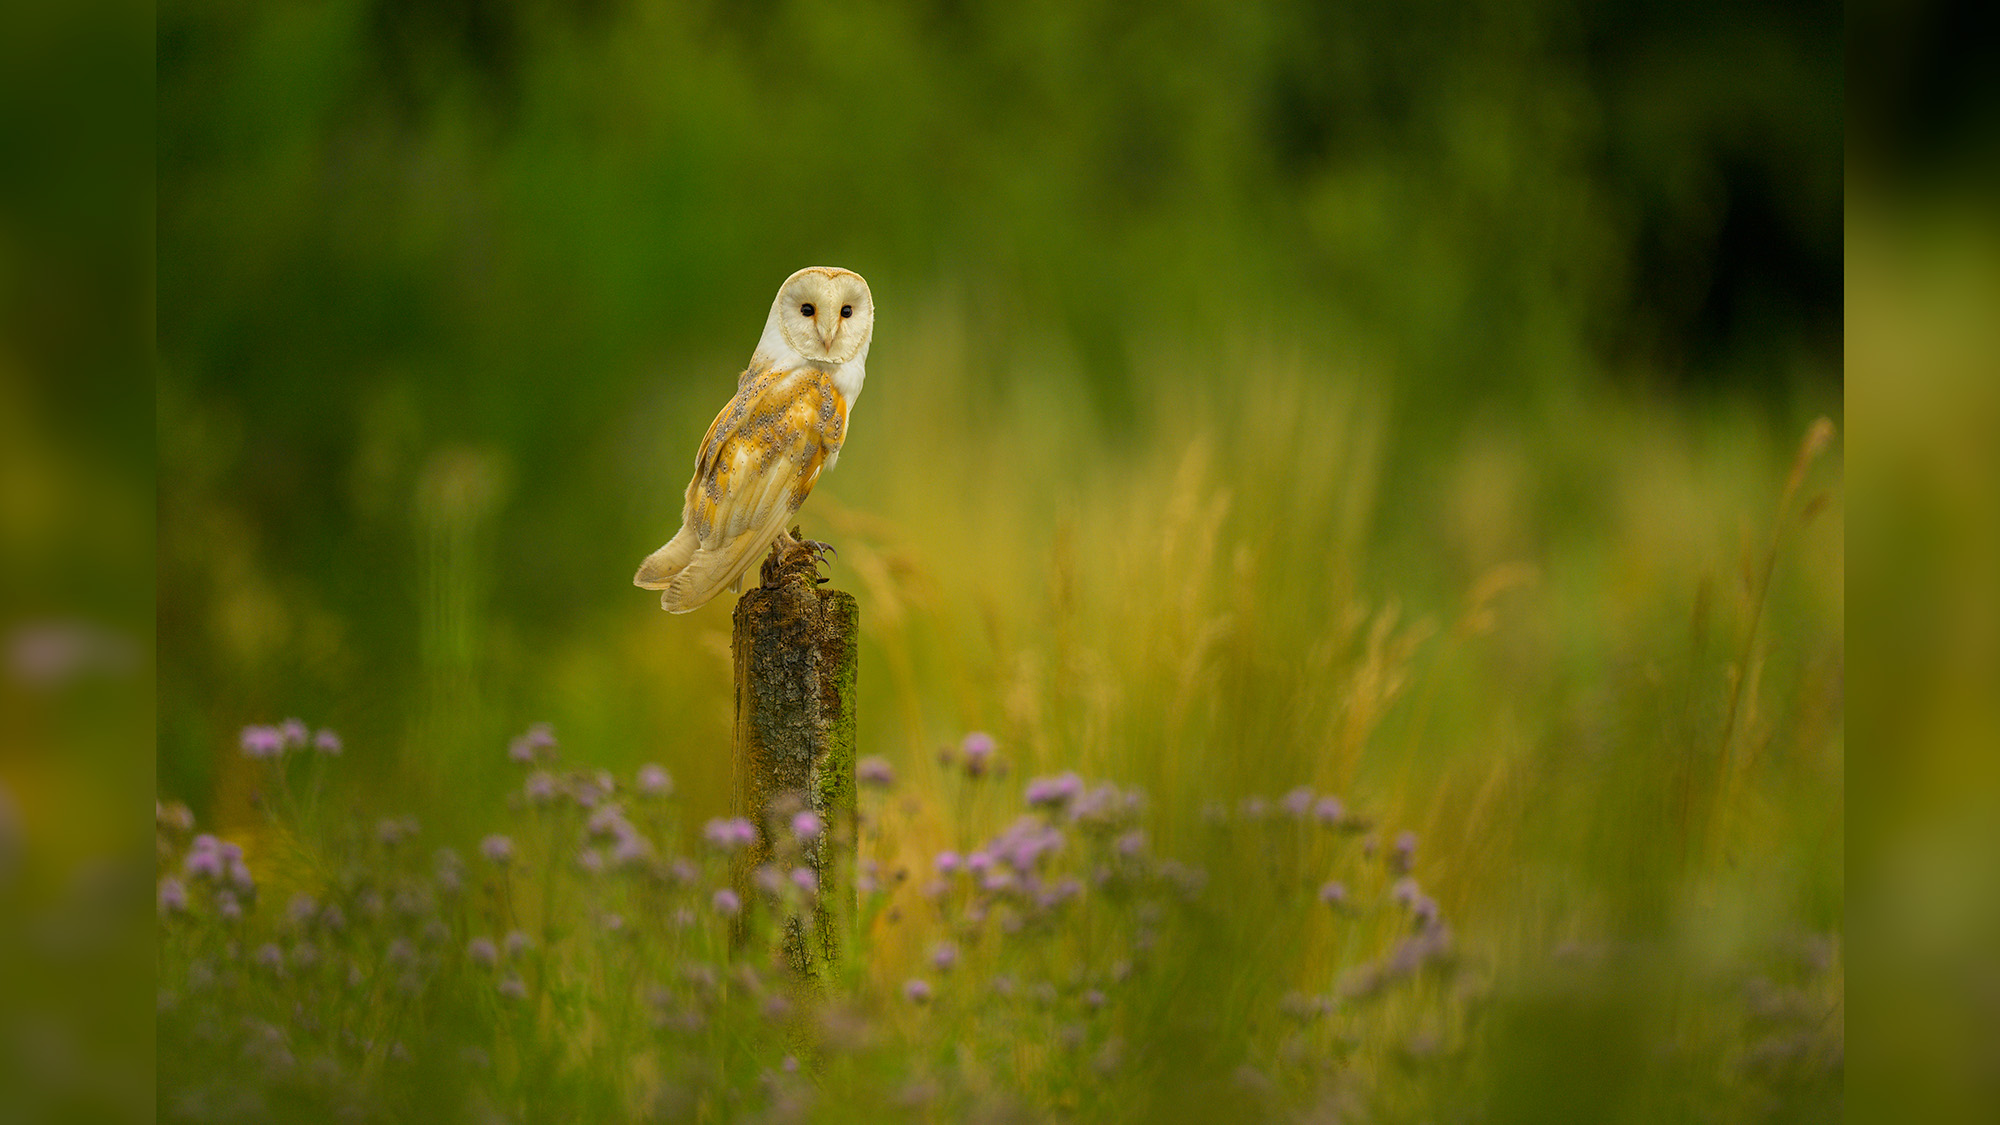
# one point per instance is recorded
(283, 738)
(588, 944)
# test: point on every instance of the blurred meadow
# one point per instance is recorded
(1437, 408)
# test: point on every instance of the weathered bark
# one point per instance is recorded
(795, 647)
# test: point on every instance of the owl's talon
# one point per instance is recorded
(818, 552)
(786, 548)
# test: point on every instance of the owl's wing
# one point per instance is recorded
(760, 459)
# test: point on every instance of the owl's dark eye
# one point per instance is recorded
(846, 311)
(805, 310)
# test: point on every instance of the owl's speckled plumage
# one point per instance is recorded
(768, 447)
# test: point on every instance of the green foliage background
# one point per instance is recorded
(1391, 398)
(547, 233)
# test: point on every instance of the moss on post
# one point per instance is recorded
(796, 661)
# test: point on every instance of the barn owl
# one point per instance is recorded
(768, 446)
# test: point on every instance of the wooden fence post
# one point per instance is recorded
(795, 648)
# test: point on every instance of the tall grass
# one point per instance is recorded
(1589, 660)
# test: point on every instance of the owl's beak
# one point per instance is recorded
(826, 335)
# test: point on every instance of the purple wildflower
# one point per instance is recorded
(1254, 808)
(612, 923)
(1025, 842)
(1298, 802)
(654, 781)
(805, 880)
(726, 903)
(1093, 999)
(262, 742)
(204, 858)
(1408, 957)
(630, 850)
(540, 787)
(978, 862)
(482, 951)
(807, 825)
(173, 897)
(1054, 792)
(270, 956)
(1099, 805)
(1404, 857)
(328, 742)
(1330, 812)
(513, 989)
(944, 956)
(1424, 911)
(1406, 891)
(917, 990)
(518, 943)
(607, 820)
(1333, 893)
(497, 848)
(977, 749)
(1132, 844)
(874, 771)
(729, 835)
(301, 909)
(590, 859)
(294, 733)
(947, 862)
(227, 906)
(527, 746)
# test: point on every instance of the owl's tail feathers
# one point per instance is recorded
(722, 566)
(707, 574)
(660, 567)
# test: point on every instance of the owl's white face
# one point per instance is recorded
(826, 314)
